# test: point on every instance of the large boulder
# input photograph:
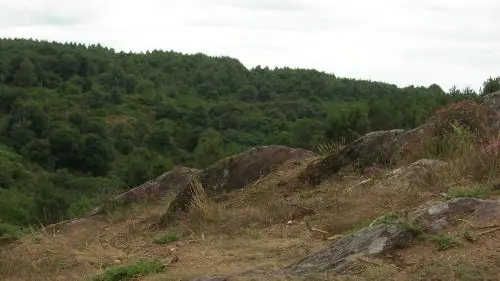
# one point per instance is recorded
(171, 182)
(236, 172)
(375, 148)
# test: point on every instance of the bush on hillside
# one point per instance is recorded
(454, 130)
(467, 114)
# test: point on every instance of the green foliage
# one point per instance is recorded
(474, 191)
(166, 238)
(8, 230)
(389, 218)
(491, 85)
(77, 121)
(127, 272)
(443, 242)
(25, 75)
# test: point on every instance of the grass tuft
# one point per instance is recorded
(166, 238)
(443, 242)
(125, 272)
(474, 191)
(328, 147)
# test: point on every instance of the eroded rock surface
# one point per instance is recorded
(420, 168)
(236, 172)
(378, 240)
(365, 242)
(373, 148)
(434, 217)
(171, 182)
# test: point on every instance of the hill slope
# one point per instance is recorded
(421, 221)
(81, 122)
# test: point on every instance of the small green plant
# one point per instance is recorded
(443, 242)
(475, 191)
(126, 272)
(389, 218)
(413, 230)
(166, 238)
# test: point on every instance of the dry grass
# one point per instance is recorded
(261, 226)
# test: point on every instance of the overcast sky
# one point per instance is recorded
(403, 42)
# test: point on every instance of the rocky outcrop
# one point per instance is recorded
(368, 241)
(171, 182)
(371, 149)
(418, 169)
(236, 172)
(383, 147)
(381, 239)
(435, 217)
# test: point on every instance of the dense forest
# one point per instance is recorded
(79, 122)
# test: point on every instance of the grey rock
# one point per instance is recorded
(375, 148)
(434, 217)
(417, 169)
(374, 240)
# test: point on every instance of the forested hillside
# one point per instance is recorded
(78, 122)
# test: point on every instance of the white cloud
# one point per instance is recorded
(402, 42)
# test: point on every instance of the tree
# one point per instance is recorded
(25, 74)
(248, 93)
(306, 132)
(209, 149)
(491, 85)
(97, 155)
(68, 66)
(66, 147)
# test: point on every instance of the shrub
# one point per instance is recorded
(453, 131)
(466, 114)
